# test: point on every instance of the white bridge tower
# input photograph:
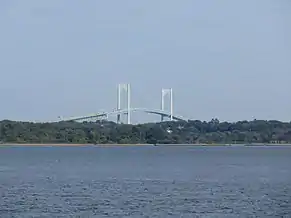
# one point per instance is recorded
(123, 88)
(167, 93)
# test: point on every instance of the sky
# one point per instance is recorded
(224, 59)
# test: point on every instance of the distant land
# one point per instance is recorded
(193, 132)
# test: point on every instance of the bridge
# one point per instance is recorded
(128, 110)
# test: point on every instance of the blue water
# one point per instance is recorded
(145, 181)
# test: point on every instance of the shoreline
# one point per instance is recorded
(126, 145)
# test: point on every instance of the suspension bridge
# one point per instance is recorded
(128, 110)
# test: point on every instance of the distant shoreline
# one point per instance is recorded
(125, 145)
(67, 144)
(194, 132)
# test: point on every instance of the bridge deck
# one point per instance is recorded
(125, 111)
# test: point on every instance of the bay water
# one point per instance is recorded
(145, 181)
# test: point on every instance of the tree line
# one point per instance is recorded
(176, 132)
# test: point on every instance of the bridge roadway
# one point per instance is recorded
(124, 111)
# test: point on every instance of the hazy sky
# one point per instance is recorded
(224, 59)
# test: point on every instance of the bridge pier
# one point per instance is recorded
(118, 102)
(126, 88)
(128, 104)
(166, 92)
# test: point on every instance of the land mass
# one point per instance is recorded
(181, 132)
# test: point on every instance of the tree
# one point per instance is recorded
(193, 131)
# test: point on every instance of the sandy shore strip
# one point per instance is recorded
(104, 145)
(67, 144)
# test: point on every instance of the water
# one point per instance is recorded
(145, 181)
